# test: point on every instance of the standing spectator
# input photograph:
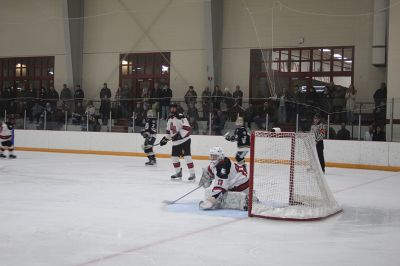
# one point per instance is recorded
(66, 97)
(319, 130)
(249, 115)
(380, 95)
(343, 133)
(379, 135)
(166, 95)
(227, 99)
(191, 98)
(79, 95)
(218, 123)
(238, 96)
(105, 105)
(282, 107)
(206, 102)
(53, 97)
(30, 101)
(350, 103)
(158, 97)
(260, 117)
(125, 95)
(370, 133)
(42, 95)
(217, 95)
(338, 102)
(145, 99)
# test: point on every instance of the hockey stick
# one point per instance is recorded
(142, 145)
(169, 202)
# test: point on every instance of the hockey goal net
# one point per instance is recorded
(286, 179)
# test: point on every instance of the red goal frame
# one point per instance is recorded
(292, 136)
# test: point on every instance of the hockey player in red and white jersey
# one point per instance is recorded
(6, 138)
(228, 180)
(179, 131)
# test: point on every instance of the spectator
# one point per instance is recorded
(157, 95)
(36, 112)
(53, 97)
(238, 96)
(282, 107)
(227, 99)
(379, 134)
(195, 126)
(66, 97)
(79, 95)
(145, 99)
(42, 95)
(249, 115)
(338, 102)
(78, 114)
(218, 123)
(105, 104)
(90, 112)
(191, 97)
(217, 96)
(343, 133)
(260, 117)
(380, 95)
(370, 133)
(166, 95)
(206, 102)
(30, 101)
(332, 133)
(125, 96)
(350, 103)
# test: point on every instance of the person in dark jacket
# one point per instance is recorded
(217, 97)
(53, 97)
(66, 96)
(166, 95)
(343, 133)
(79, 95)
(105, 104)
(379, 135)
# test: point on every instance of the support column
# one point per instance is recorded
(393, 69)
(73, 11)
(213, 17)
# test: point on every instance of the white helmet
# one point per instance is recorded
(239, 121)
(150, 113)
(276, 130)
(216, 155)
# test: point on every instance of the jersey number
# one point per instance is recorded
(220, 182)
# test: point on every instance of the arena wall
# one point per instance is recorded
(347, 154)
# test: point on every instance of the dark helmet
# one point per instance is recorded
(173, 105)
(317, 116)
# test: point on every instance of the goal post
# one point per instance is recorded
(286, 180)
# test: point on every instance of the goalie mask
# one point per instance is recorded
(239, 121)
(216, 155)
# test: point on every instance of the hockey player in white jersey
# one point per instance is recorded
(179, 131)
(229, 183)
(7, 138)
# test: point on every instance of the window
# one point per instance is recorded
(22, 72)
(283, 67)
(139, 70)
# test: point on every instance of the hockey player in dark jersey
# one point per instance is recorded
(228, 181)
(149, 133)
(7, 137)
(242, 138)
(179, 130)
(319, 130)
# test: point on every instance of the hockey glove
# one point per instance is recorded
(206, 179)
(163, 141)
(145, 134)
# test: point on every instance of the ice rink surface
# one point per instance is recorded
(65, 209)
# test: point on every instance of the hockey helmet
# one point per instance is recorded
(239, 121)
(216, 155)
(317, 116)
(150, 114)
(276, 130)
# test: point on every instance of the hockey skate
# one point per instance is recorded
(12, 156)
(192, 178)
(2, 156)
(151, 162)
(177, 176)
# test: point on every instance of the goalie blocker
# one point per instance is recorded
(228, 181)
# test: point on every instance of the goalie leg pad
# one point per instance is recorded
(230, 200)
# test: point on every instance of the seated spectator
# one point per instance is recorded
(260, 117)
(370, 133)
(36, 112)
(249, 115)
(94, 124)
(379, 135)
(192, 111)
(343, 133)
(332, 133)
(380, 95)
(218, 123)
(78, 114)
(195, 126)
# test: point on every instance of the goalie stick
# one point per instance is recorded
(169, 202)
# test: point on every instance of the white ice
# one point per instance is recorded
(65, 209)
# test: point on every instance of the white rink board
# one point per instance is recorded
(336, 151)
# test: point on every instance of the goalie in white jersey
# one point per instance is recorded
(229, 183)
(179, 131)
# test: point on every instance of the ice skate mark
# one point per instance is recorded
(366, 183)
(156, 243)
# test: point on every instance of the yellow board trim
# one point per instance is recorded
(198, 157)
